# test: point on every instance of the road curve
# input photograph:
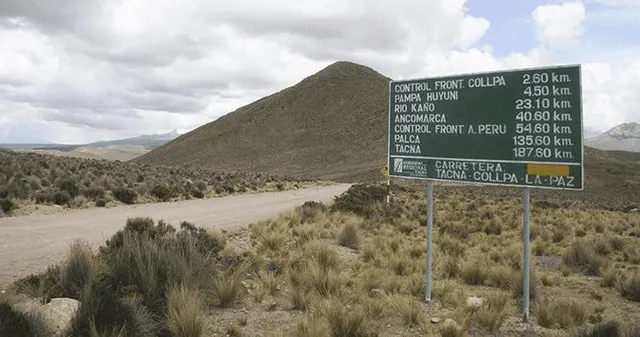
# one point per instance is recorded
(29, 244)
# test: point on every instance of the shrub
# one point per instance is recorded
(101, 203)
(197, 194)
(125, 195)
(7, 205)
(228, 288)
(345, 321)
(474, 272)
(205, 241)
(94, 193)
(493, 314)
(103, 312)
(310, 210)
(162, 192)
(631, 288)
(565, 312)
(152, 264)
(581, 255)
(78, 270)
(62, 198)
(360, 199)
(349, 236)
(44, 285)
(606, 329)
(69, 186)
(141, 226)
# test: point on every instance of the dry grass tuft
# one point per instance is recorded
(631, 288)
(408, 309)
(561, 312)
(185, 313)
(349, 236)
(348, 322)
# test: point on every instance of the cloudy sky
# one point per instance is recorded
(76, 71)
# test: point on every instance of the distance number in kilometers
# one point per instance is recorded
(536, 116)
(530, 140)
(533, 128)
(528, 152)
(537, 103)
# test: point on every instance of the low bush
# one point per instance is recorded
(310, 210)
(94, 193)
(562, 312)
(349, 236)
(143, 282)
(62, 198)
(360, 199)
(605, 329)
(7, 205)
(125, 195)
(582, 256)
(162, 192)
(631, 288)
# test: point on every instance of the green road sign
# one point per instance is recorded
(513, 128)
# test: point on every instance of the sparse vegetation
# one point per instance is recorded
(356, 273)
(31, 178)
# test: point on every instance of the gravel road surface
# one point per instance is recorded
(29, 244)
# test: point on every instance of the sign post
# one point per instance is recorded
(506, 128)
(385, 173)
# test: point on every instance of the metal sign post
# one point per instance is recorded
(527, 253)
(429, 237)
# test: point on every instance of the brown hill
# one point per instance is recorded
(331, 125)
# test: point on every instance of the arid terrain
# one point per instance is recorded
(33, 183)
(356, 267)
(300, 262)
(32, 243)
(121, 153)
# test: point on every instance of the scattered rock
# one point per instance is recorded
(377, 293)
(57, 314)
(474, 301)
(435, 320)
(450, 322)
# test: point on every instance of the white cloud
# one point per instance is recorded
(611, 95)
(559, 25)
(90, 70)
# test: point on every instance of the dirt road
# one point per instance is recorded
(28, 244)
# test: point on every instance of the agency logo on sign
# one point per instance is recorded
(397, 164)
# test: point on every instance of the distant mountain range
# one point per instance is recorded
(147, 141)
(624, 137)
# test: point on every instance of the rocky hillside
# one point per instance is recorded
(331, 125)
(624, 137)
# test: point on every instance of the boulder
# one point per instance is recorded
(474, 301)
(57, 314)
